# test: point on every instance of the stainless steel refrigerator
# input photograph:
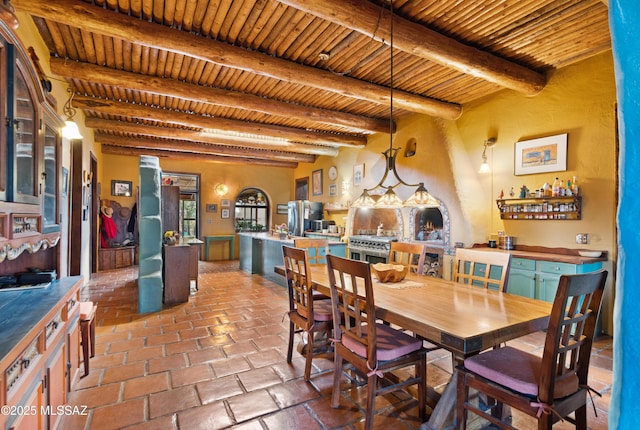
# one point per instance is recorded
(301, 213)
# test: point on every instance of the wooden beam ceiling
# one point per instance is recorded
(367, 18)
(295, 151)
(167, 116)
(91, 18)
(181, 155)
(198, 93)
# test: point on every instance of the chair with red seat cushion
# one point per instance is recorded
(372, 348)
(309, 316)
(549, 387)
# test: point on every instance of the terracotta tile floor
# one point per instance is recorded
(219, 361)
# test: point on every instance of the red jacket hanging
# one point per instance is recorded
(109, 230)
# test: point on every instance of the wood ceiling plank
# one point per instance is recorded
(255, 21)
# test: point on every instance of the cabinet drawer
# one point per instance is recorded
(558, 268)
(523, 263)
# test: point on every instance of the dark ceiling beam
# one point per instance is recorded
(201, 94)
(129, 146)
(300, 152)
(367, 18)
(92, 18)
(167, 116)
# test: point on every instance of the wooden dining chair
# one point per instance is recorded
(307, 315)
(408, 254)
(317, 249)
(488, 269)
(547, 388)
(374, 349)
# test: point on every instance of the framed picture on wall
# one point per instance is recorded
(120, 188)
(225, 202)
(212, 207)
(282, 208)
(547, 154)
(333, 190)
(358, 174)
(224, 213)
(316, 182)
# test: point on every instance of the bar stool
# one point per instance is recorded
(88, 332)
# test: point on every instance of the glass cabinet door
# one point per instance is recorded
(3, 114)
(50, 179)
(25, 133)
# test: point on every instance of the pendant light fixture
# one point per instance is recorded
(70, 130)
(389, 199)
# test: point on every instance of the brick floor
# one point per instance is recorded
(219, 361)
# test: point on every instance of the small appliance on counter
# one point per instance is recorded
(506, 242)
(322, 225)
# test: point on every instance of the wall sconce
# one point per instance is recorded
(70, 130)
(489, 143)
(346, 183)
(221, 189)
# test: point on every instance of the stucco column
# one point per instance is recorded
(624, 20)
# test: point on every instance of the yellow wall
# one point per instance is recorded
(275, 182)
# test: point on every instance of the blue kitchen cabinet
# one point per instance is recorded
(539, 279)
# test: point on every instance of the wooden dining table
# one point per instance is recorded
(463, 319)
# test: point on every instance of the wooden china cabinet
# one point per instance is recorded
(39, 347)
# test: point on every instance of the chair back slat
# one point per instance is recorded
(408, 254)
(571, 330)
(296, 265)
(353, 304)
(482, 268)
(317, 249)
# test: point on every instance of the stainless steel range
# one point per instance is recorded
(374, 249)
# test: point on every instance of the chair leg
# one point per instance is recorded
(337, 374)
(372, 387)
(581, 417)
(421, 374)
(92, 334)
(84, 334)
(292, 330)
(309, 355)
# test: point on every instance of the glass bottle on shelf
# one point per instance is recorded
(555, 188)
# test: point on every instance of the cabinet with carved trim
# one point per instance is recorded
(30, 168)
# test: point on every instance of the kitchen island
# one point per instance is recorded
(261, 252)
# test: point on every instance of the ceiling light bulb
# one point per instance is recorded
(70, 130)
(389, 200)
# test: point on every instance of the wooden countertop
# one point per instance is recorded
(558, 255)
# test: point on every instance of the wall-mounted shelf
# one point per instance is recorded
(336, 210)
(543, 208)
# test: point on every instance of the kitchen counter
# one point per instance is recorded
(261, 252)
(558, 255)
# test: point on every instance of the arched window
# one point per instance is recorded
(252, 210)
